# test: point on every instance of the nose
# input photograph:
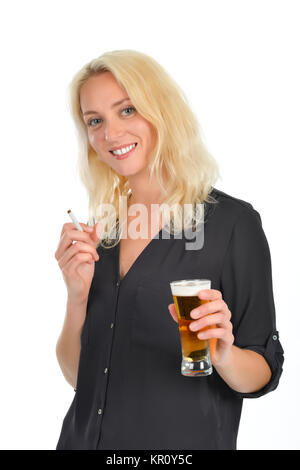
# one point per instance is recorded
(113, 131)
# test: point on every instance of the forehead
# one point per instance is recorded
(100, 89)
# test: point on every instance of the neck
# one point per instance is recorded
(143, 191)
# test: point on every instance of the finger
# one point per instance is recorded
(219, 319)
(96, 232)
(67, 239)
(78, 247)
(210, 294)
(172, 310)
(208, 308)
(219, 333)
(75, 261)
(70, 226)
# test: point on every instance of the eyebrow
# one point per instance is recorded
(113, 106)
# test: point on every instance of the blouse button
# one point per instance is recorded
(111, 325)
(105, 370)
(118, 283)
(274, 337)
(99, 411)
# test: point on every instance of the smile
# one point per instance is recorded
(124, 152)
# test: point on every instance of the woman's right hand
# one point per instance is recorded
(77, 260)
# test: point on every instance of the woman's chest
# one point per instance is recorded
(129, 251)
(132, 246)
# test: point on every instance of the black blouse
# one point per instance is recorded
(130, 392)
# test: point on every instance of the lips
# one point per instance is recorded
(125, 155)
(123, 146)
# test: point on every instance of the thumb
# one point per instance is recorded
(99, 228)
(96, 232)
(172, 310)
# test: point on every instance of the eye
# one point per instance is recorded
(130, 108)
(91, 120)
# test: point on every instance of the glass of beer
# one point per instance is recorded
(195, 352)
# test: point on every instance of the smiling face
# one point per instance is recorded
(120, 123)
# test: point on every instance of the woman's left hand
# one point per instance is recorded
(216, 315)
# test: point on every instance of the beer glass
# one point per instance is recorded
(195, 352)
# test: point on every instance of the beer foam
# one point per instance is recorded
(188, 288)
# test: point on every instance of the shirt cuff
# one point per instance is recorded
(273, 353)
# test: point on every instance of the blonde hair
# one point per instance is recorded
(179, 146)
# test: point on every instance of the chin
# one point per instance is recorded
(125, 170)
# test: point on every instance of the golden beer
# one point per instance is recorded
(195, 352)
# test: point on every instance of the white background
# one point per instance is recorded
(238, 63)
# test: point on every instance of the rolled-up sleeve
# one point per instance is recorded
(246, 286)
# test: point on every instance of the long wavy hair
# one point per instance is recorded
(191, 169)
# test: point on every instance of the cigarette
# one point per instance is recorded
(75, 221)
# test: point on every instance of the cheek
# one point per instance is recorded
(96, 146)
(93, 141)
(142, 128)
(150, 134)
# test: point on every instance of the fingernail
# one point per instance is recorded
(203, 293)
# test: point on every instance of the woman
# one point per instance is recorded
(120, 347)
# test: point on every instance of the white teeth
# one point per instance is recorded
(123, 150)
